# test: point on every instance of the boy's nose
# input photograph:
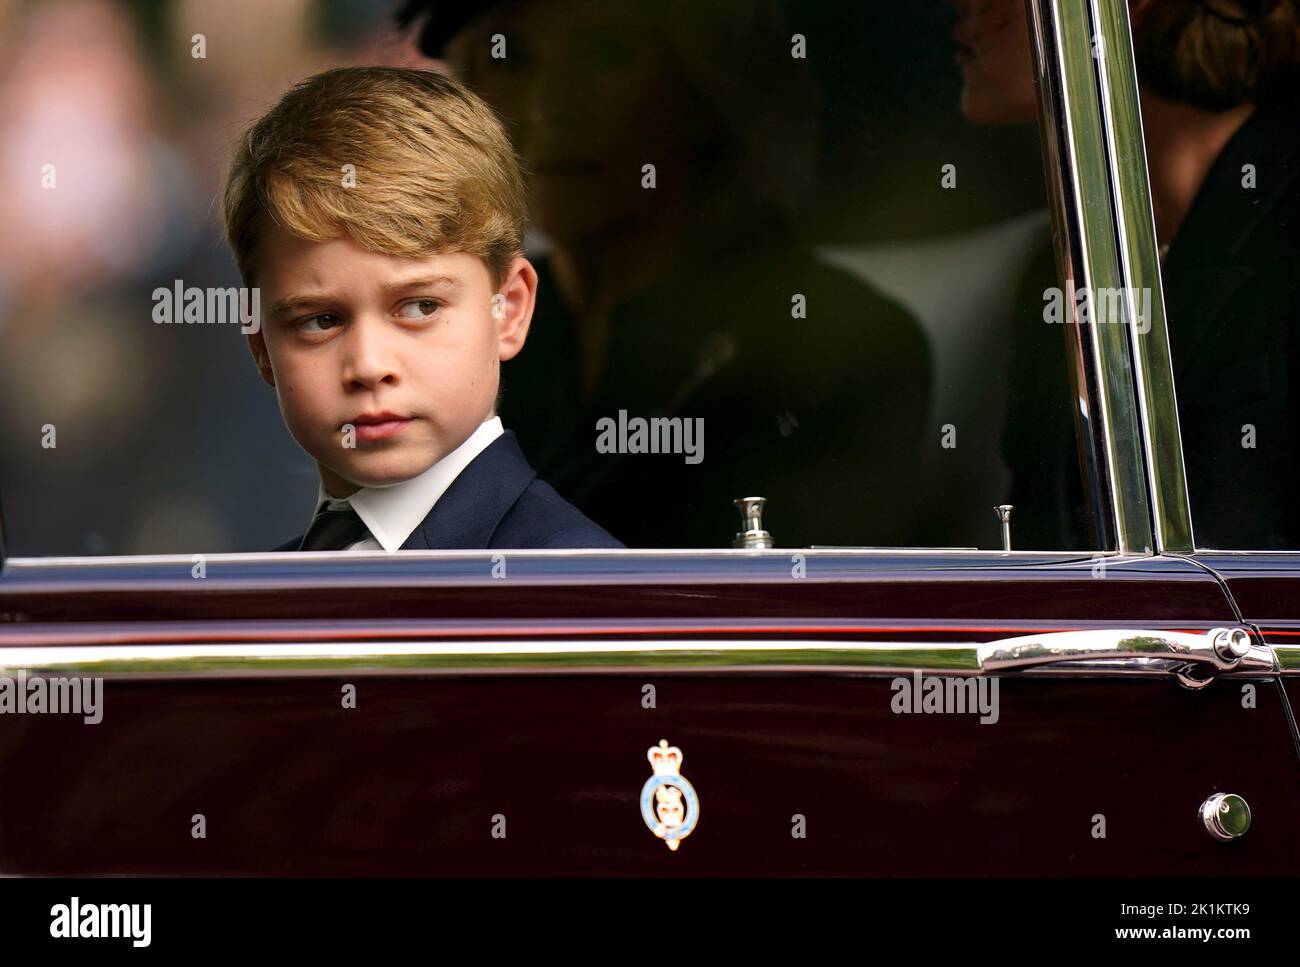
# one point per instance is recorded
(368, 358)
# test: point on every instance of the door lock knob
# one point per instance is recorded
(751, 514)
(1004, 515)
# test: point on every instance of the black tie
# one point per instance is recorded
(334, 530)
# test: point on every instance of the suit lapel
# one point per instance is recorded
(1195, 299)
(468, 514)
(1224, 213)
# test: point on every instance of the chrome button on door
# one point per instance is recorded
(1232, 644)
(1225, 816)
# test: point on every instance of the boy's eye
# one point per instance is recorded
(419, 309)
(320, 323)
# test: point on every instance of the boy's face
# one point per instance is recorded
(406, 351)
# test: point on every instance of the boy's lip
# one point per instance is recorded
(380, 425)
(377, 416)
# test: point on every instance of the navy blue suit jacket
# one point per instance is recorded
(497, 501)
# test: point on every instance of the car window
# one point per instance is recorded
(798, 250)
(1232, 301)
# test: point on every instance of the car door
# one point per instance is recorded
(438, 721)
(757, 710)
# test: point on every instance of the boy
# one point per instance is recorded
(380, 212)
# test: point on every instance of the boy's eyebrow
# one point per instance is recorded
(289, 303)
(423, 282)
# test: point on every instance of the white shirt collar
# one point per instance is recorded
(392, 513)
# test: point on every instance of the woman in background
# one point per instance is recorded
(1219, 98)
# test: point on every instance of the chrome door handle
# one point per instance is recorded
(1194, 659)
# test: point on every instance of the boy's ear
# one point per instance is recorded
(261, 358)
(512, 307)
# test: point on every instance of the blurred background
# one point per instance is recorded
(168, 442)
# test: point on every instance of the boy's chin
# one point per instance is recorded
(385, 470)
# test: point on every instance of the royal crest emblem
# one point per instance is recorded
(669, 805)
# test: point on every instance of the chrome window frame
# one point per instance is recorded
(1088, 93)
(1140, 264)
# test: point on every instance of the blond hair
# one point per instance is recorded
(433, 167)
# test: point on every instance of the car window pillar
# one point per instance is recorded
(1109, 270)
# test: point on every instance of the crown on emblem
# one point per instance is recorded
(665, 759)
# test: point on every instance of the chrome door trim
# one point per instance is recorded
(1288, 658)
(274, 570)
(30, 566)
(486, 657)
(1087, 654)
(1076, 163)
